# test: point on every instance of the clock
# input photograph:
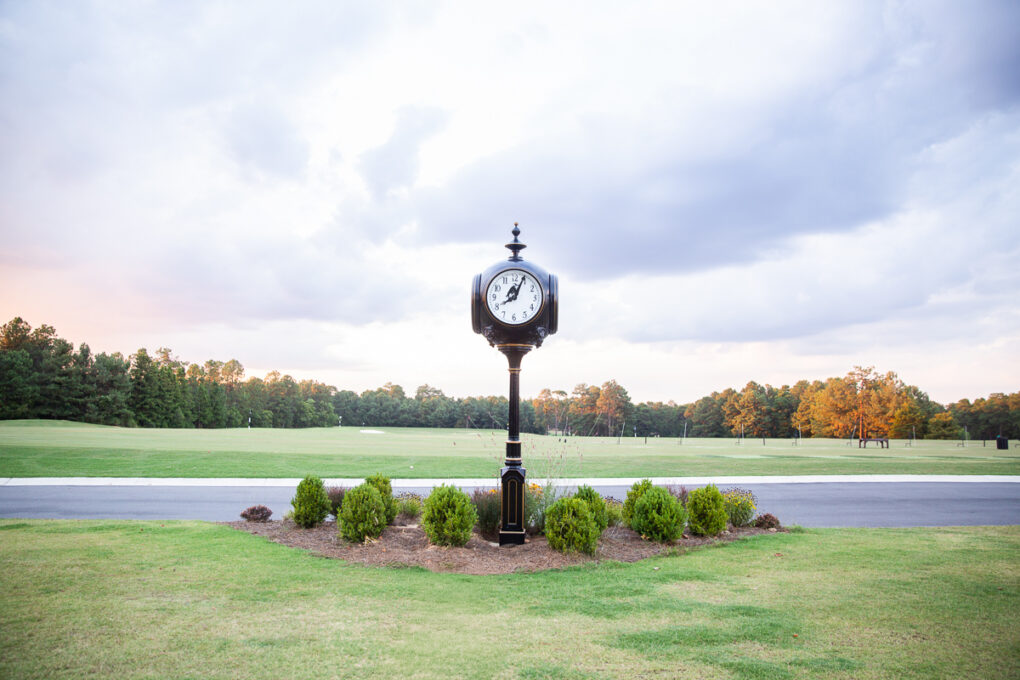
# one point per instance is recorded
(514, 297)
(515, 302)
(515, 306)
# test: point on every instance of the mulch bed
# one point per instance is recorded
(405, 544)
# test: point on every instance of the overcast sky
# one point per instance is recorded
(727, 191)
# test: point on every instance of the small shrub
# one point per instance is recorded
(633, 496)
(385, 489)
(335, 494)
(596, 505)
(766, 521)
(487, 505)
(534, 509)
(257, 513)
(614, 512)
(740, 505)
(570, 527)
(706, 511)
(448, 516)
(659, 516)
(409, 505)
(679, 492)
(363, 514)
(310, 503)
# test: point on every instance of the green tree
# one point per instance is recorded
(942, 426)
(17, 393)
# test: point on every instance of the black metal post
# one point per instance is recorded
(512, 476)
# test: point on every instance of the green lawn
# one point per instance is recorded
(61, 449)
(190, 599)
(46, 448)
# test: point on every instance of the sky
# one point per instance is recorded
(727, 191)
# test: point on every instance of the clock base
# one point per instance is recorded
(512, 528)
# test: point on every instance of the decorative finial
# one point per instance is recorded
(516, 246)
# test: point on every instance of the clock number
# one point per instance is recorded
(504, 281)
(497, 287)
(497, 306)
(493, 296)
(532, 307)
(524, 315)
(532, 289)
(513, 318)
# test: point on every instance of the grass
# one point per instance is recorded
(189, 599)
(62, 449)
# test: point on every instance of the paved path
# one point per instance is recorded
(816, 501)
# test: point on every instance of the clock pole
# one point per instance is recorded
(512, 476)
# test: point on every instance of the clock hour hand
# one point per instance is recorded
(511, 294)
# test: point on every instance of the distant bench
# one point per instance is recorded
(883, 442)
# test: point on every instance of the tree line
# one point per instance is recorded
(45, 376)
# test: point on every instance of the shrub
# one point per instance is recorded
(596, 505)
(659, 516)
(448, 516)
(363, 514)
(707, 512)
(385, 489)
(487, 505)
(335, 494)
(766, 521)
(409, 505)
(740, 505)
(633, 496)
(257, 513)
(570, 527)
(534, 509)
(679, 492)
(614, 512)
(310, 503)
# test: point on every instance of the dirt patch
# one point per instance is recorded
(405, 544)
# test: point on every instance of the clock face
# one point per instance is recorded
(514, 297)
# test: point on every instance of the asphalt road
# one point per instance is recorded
(831, 504)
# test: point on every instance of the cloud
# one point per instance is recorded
(394, 165)
(264, 141)
(798, 180)
(708, 186)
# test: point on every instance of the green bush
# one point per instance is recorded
(449, 516)
(633, 496)
(487, 505)
(570, 527)
(596, 505)
(363, 514)
(614, 513)
(385, 489)
(740, 505)
(310, 503)
(409, 505)
(707, 511)
(659, 516)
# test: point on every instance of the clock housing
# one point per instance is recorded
(525, 308)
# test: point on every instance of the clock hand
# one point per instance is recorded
(511, 294)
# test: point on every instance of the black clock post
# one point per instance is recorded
(515, 306)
